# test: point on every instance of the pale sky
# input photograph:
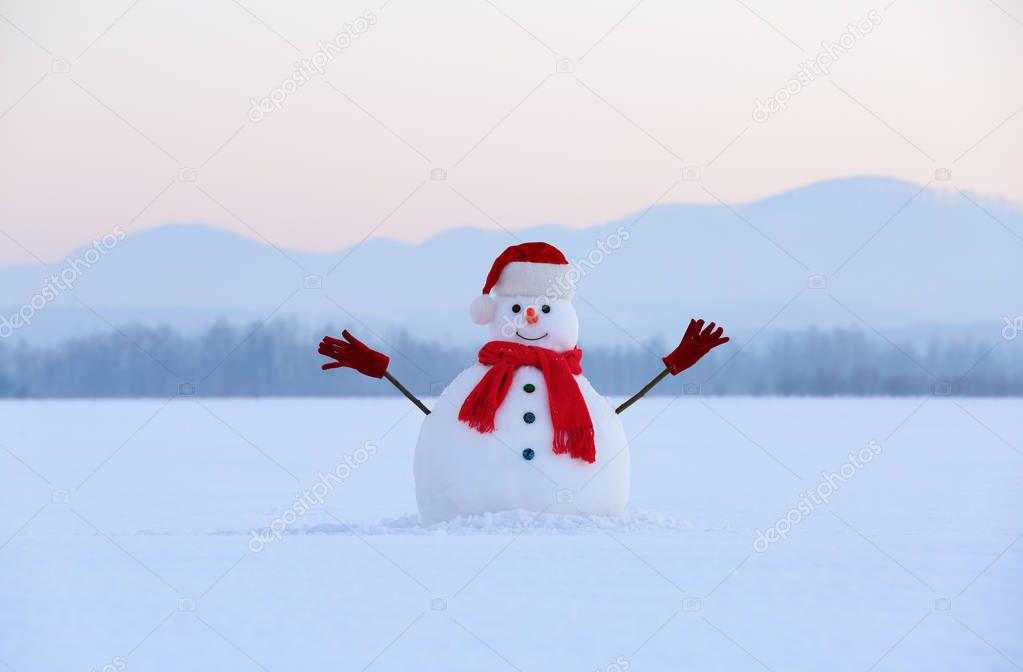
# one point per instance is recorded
(133, 115)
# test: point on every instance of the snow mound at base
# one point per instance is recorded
(512, 522)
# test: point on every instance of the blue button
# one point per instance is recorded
(528, 454)
(529, 417)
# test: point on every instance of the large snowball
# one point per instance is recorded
(459, 471)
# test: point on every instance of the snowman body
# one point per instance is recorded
(461, 471)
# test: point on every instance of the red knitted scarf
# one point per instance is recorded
(573, 429)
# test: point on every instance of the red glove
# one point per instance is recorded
(354, 354)
(695, 344)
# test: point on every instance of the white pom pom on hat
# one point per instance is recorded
(482, 309)
(528, 269)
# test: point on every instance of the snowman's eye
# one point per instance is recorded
(516, 308)
(546, 309)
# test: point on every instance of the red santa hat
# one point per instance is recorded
(527, 269)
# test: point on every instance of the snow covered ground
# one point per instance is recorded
(127, 542)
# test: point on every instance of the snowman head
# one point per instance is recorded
(548, 323)
(527, 298)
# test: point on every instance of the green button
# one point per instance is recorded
(529, 387)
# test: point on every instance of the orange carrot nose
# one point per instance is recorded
(531, 315)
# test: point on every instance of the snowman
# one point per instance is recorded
(523, 428)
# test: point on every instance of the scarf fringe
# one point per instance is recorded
(474, 413)
(577, 442)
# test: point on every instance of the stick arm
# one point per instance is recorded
(646, 388)
(408, 395)
(354, 354)
(696, 342)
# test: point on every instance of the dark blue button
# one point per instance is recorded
(528, 454)
(529, 417)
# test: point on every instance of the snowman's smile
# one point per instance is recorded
(526, 338)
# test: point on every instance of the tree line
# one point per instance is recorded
(280, 359)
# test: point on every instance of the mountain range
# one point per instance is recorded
(875, 252)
